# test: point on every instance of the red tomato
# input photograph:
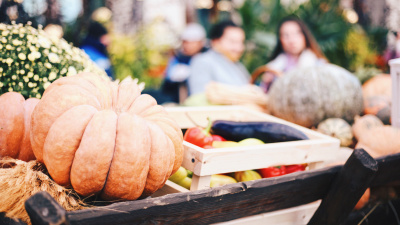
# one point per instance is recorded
(217, 138)
(198, 136)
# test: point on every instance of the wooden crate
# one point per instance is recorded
(317, 151)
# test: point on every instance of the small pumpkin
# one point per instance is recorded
(338, 128)
(380, 141)
(307, 96)
(103, 138)
(379, 106)
(15, 118)
(379, 85)
(377, 94)
(364, 123)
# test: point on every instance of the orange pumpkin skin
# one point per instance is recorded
(103, 138)
(15, 115)
(379, 85)
(377, 94)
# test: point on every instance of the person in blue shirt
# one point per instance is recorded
(95, 45)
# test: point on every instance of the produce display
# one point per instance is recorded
(104, 138)
(226, 134)
(310, 95)
(15, 122)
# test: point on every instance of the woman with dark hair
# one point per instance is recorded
(296, 47)
(220, 63)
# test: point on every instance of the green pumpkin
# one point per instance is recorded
(338, 128)
(309, 95)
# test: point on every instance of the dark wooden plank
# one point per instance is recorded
(44, 210)
(217, 204)
(350, 184)
(8, 221)
(389, 170)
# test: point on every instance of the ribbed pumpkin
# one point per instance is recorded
(104, 138)
(15, 119)
(364, 123)
(309, 95)
(338, 128)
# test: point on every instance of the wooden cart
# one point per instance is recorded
(339, 187)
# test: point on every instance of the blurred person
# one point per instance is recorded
(95, 45)
(174, 87)
(221, 62)
(296, 47)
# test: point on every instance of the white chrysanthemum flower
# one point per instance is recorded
(10, 89)
(52, 75)
(71, 71)
(36, 77)
(1, 69)
(31, 57)
(37, 54)
(46, 85)
(1, 84)
(53, 58)
(13, 77)
(22, 71)
(20, 84)
(38, 95)
(64, 70)
(30, 84)
(30, 74)
(47, 65)
(21, 56)
(16, 42)
(26, 79)
(9, 61)
(44, 42)
(8, 47)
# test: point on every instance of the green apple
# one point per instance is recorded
(179, 175)
(185, 182)
(250, 142)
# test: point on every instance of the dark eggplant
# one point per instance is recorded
(268, 132)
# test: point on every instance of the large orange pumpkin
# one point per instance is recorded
(104, 138)
(15, 118)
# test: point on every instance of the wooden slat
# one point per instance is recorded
(217, 204)
(8, 221)
(389, 170)
(44, 210)
(348, 187)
